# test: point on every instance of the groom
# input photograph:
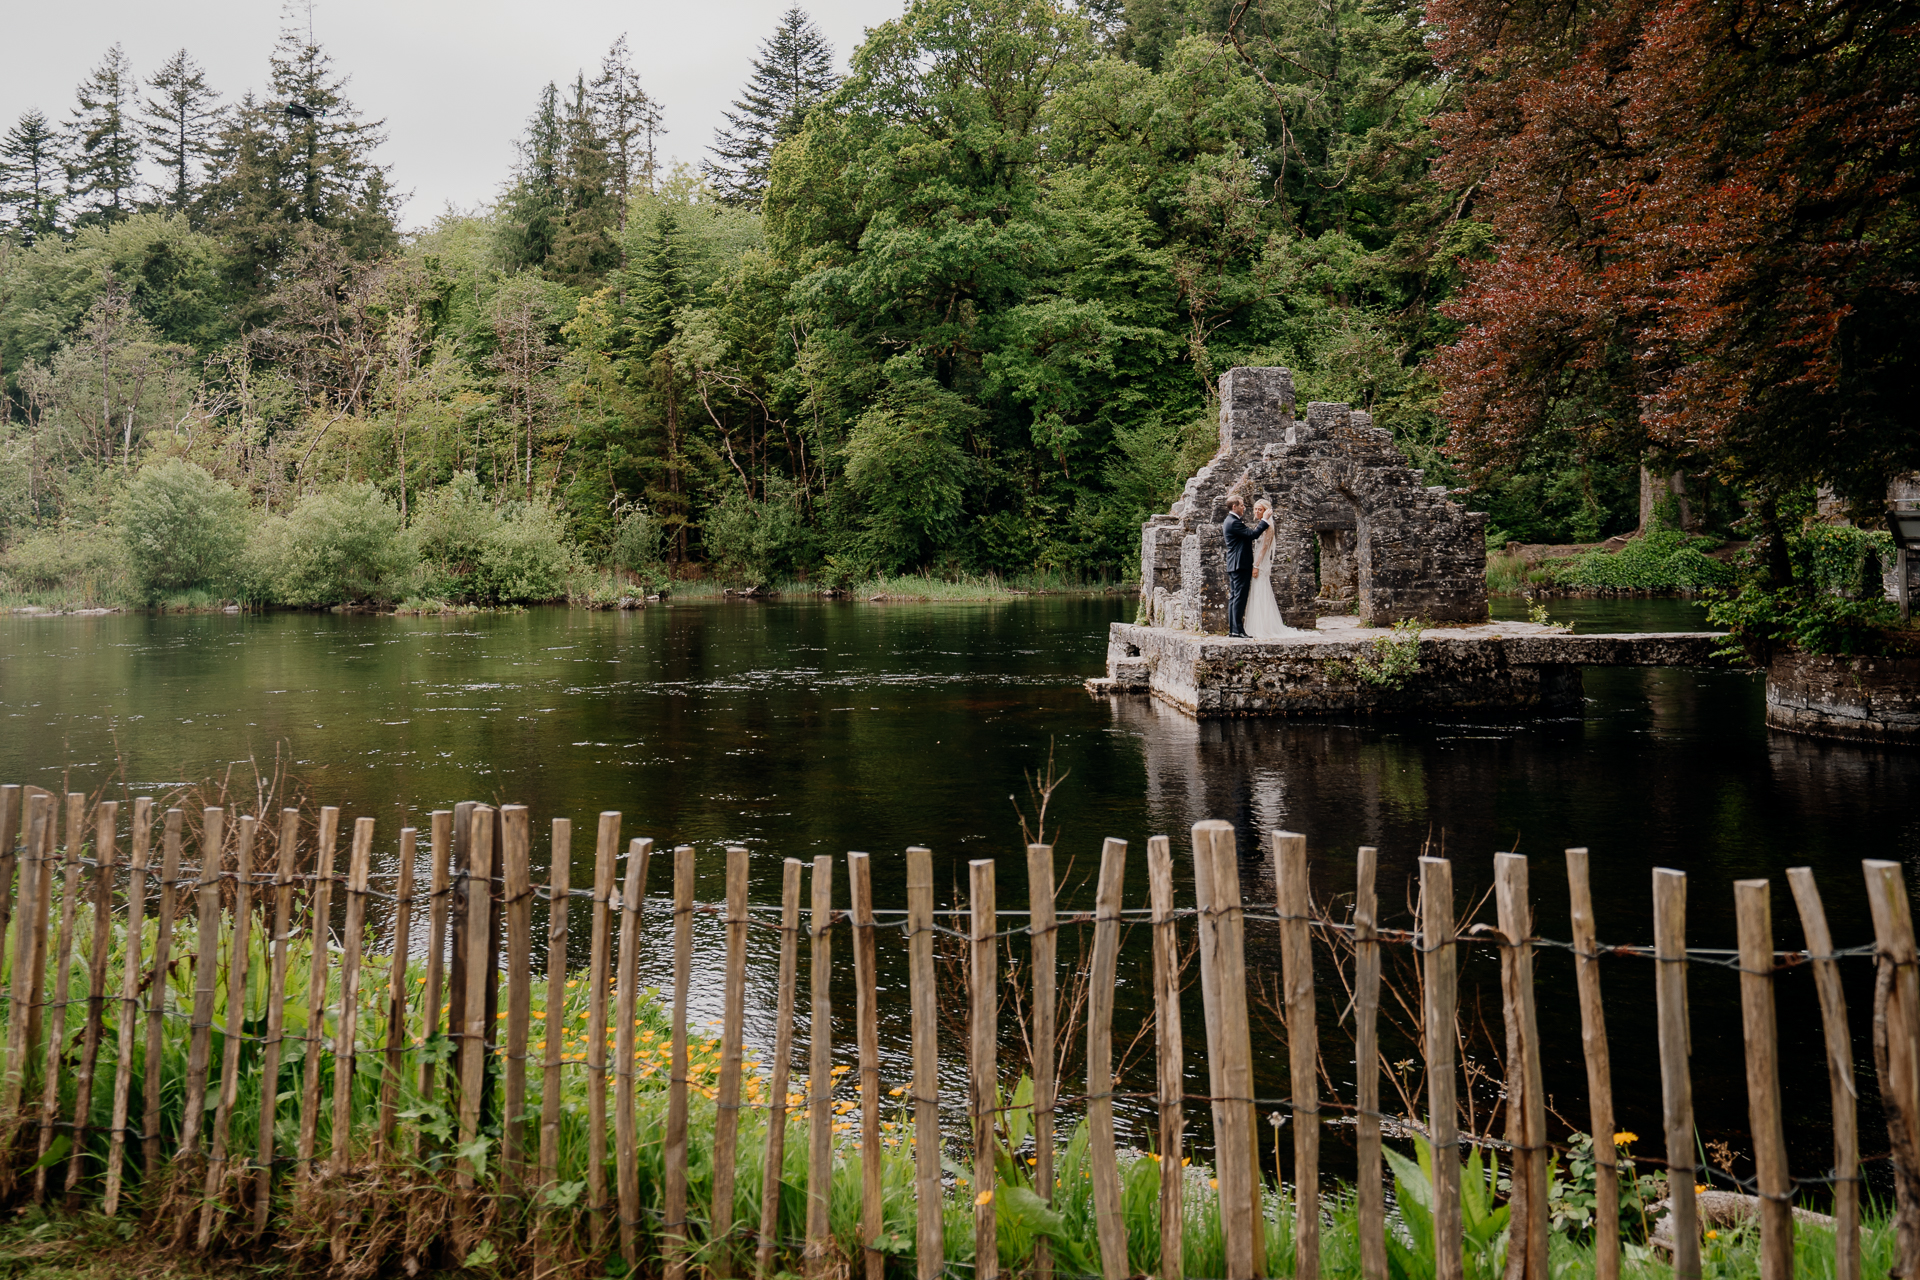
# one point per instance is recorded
(1240, 537)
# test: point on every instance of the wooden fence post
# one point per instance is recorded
(1223, 986)
(278, 940)
(439, 904)
(1593, 1039)
(1103, 1161)
(205, 969)
(319, 936)
(12, 811)
(774, 1167)
(1303, 1044)
(674, 1229)
(239, 956)
(733, 1017)
(142, 849)
(56, 1046)
(1753, 909)
(1170, 1053)
(459, 909)
(161, 988)
(397, 1035)
(105, 856)
(44, 929)
(1676, 1082)
(1044, 933)
(1526, 1098)
(473, 1028)
(1846, 1121)
(347, 1025)
(929, 1229)
(606, 850)
(983, 1063)
(517, 906)
(553, 1022)
(1438, 1030)
(820, 1081)
(1371, 1193)
(627, 991)
(1896, 1019)
(867, 1038)
(25, 993)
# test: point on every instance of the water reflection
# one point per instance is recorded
(802, 728)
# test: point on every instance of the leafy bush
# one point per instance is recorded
(86, 564)
(638, 541)
(514, 552)
(526, 556)
(1836, 604)
(752, 541)
(342, 545)
(1659, 560)
(182, 528)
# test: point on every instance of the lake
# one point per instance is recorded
(797, 728)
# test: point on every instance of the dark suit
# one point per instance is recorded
(1240, 537)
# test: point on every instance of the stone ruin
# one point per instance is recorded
(1355, 529)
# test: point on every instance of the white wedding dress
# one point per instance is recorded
(1263, 621)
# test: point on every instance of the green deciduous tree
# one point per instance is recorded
(182, 527)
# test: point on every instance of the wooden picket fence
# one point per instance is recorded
(478, 900)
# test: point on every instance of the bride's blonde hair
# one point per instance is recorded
(1262, 505)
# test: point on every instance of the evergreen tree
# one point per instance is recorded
(178, 123)
(629, 123)
(584, 250)
(104, 162)
(303, 157)
(530, 212)
(30, 167)
(794, 71)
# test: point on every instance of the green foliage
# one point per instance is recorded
(83, 565)
(1484, 1226)
(514, 552)
(1572, 1195)
(1394, 659)
(752, 542)
(638, 541)
(182, 527)
(1661, 559)
(1835, 604)
(343, 545)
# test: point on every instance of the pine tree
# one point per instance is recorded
(178, 123)
(793, 71)
(31, 166)
(584, 250)
(628, 122)
(302, 157)
(530, 210)
(104, 162)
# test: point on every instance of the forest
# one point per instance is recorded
(960, 310)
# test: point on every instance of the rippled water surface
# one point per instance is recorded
(804, 728)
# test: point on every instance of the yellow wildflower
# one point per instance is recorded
(1622, 1138)
(985, 1197)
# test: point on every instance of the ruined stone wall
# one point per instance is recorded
(1337, 483)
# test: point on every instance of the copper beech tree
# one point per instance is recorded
(1706, 236)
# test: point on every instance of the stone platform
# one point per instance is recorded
(1492, 666)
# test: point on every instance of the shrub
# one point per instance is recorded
(182, 528)
(339, 546)
(526, 556)
(638, 541)
(513, 552)
(86, 564)
(1659, 560)
(752, 541)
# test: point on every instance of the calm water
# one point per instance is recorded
(804, 728)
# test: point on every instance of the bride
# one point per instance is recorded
(1263, 620)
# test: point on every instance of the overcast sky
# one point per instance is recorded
(454, 79)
